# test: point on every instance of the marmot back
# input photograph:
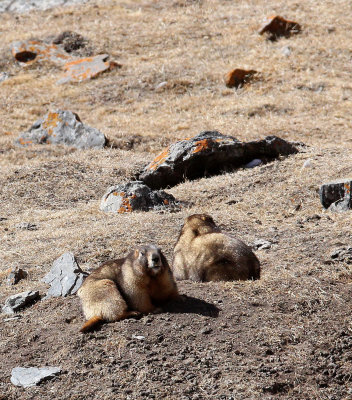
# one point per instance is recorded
(127, 287)
(203, 253)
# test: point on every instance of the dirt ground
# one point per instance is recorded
(288, 335)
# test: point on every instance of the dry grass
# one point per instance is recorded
(190, 45)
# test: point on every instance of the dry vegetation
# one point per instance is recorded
(295, 317)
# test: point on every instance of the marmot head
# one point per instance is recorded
(150, 260)
(199, 224)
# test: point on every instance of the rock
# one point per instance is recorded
(65, 276)
(32, 376)
(343, 254)
(307, 164)
(276, 26)
(16, 275)
(86, 68)
(336, 195)
(209, 153)
(70, 41)
(286, 51)
(62, 127)
(206, 331)
(24, 6)
(19, 300)
(138, 337)
(254, 163)
(134, 196)
(36, 50)
(261, 244)
(238, 77)
(29, 226)
(3, 76)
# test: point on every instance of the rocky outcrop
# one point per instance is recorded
(336, 195)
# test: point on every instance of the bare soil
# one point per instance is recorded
(288, 335)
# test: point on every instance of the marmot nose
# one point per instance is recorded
(155, 259)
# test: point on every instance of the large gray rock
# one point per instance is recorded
(62, 127)
(24, 6)
(20, 300)
(27, 377)
(65, 276)
(134, 196)
(336, 195)
(209, 153)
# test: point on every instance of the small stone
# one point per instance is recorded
(62, 127)
(20, 300)
(206, 330)
(160, 85)
(3, 76)
(138, 337)
(27, 377)
(134, 196)
(276, 26)
(307, 164)
(238, 77)
(86, 68)
(336, 195)
(29, 226)
(254, 163)
(65, 276)
(16, 275)
(286, 51)
(261, 244)
(35, 50)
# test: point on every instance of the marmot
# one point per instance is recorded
(203, 253)
(127, 287)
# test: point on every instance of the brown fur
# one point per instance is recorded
(203, 253)
(127, 287)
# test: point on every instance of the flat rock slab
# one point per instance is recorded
(336, 195)
(27, 377)
(209, 153)
(86, 68)
(20, 300)
(30, 51)
(275, 27)
(62, 127)
(65, 276)
(24, 6)
(135, 196)
(238, 77)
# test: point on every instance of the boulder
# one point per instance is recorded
(27, 377)
(336, 196)
(65, 276)
(24, 6)
(62, 127)
(238, 77)
(86, 68)
(19, 300)
(276, 26)
(29, 51)
(134, 196)
(209, 153)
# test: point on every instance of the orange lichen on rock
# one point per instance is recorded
(126, 205)
(86, 68)
(33, 50)
(51, 122)
(237, 77)
(347, 188)
(201, 145)
(24, 142)
(159, 159)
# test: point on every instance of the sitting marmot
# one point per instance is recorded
(126, 287)
(203, 253)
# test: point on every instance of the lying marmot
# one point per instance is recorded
(203, 253)
(127, 287)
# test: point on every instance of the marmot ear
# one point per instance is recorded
(136, 253)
